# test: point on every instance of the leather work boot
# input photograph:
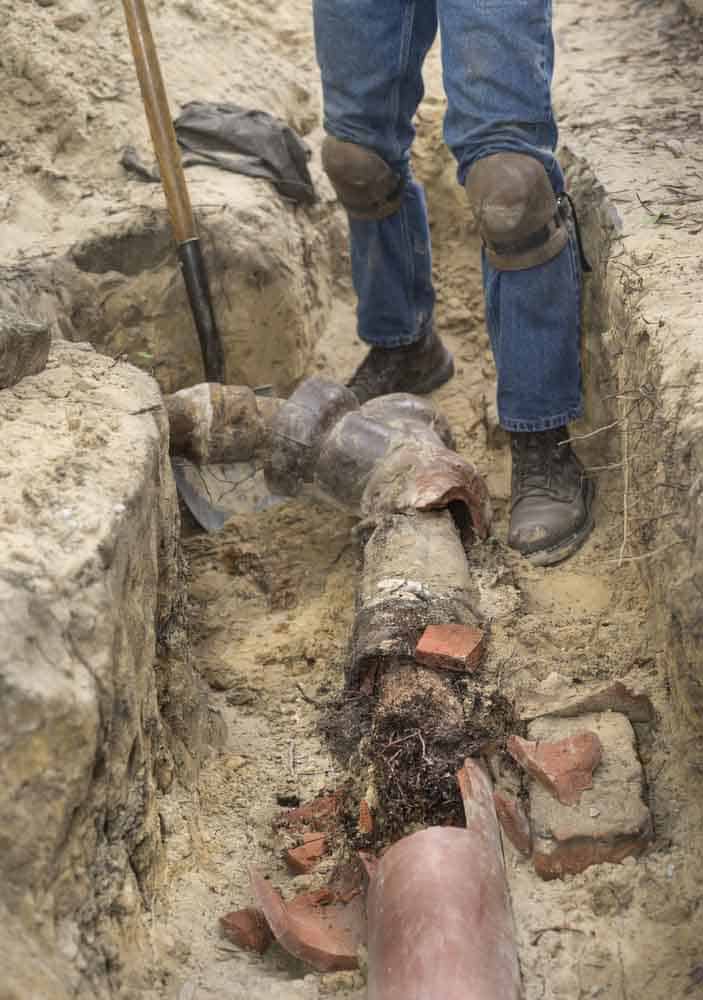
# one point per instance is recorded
(551, 513)
(418, 368)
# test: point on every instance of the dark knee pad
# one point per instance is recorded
(365, 184)
(516, 211)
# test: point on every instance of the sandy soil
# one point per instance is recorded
(272, 597)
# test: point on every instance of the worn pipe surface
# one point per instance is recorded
(414, 574)
(213, 423)
(391, 455)
(440, 925)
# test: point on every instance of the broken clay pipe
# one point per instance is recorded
(440, 923)
(392, 455)
(389, 462)
(414, 574)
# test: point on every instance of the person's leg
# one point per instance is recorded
(371, 57)
(498, 60)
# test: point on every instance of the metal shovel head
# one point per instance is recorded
(210, 518)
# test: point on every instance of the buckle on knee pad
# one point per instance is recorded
(365, 184)
(516, 210)
(526, 246)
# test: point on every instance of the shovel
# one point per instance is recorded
(168, 155)
(185, 231)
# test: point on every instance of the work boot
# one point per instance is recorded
(551, 512)
(418, 368)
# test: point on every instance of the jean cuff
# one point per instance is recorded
(544, 423)
(387, 342)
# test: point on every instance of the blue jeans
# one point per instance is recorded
(497, 58)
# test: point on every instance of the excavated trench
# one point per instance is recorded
(247, 715)
(270, 606)
(272, 602)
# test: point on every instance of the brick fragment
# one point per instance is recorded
(327, 937)
(365, 824)
(450, 647)
(24, 348)
(320, 813)
(247, 929)
(303, 859)
(514, 823)
(567, 703)
(611, 822)
(565, 767)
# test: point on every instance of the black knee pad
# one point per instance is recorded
(516, 211)
(365, 184)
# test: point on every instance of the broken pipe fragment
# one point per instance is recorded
(213, 423)
(440, 925)
(326, 937)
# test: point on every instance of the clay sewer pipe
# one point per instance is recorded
(391, 462)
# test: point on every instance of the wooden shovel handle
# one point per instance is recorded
(158, 116)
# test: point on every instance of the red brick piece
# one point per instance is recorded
(247, 929)
(565, 768)
(316, 934)
(303, 859)
(514, 823)
(320, 813)
(611, 822)
(576, 856)
(365, 824)
(567, 703)
(450, 647)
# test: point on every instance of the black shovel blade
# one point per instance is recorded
(208, 517)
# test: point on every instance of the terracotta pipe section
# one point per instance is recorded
(440, 925)
(390, 462)
(414, 574)
(213, 423)
(392, 455)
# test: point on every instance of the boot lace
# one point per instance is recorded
(537, 464)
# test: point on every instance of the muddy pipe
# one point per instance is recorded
(213, 423)
(440, 925)
(392, 455)
(391, 462)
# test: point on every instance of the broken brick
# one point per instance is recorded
(450, 647)
(319, 813)
(365, 824)
(611, 822)
(564, 767)
(247, 929)
(303, 859)
(327, 937)
(514, 822)
(567, 703)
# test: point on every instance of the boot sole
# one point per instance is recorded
(557, 554)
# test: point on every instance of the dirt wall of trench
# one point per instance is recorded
(632, 163)
(93, 725)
